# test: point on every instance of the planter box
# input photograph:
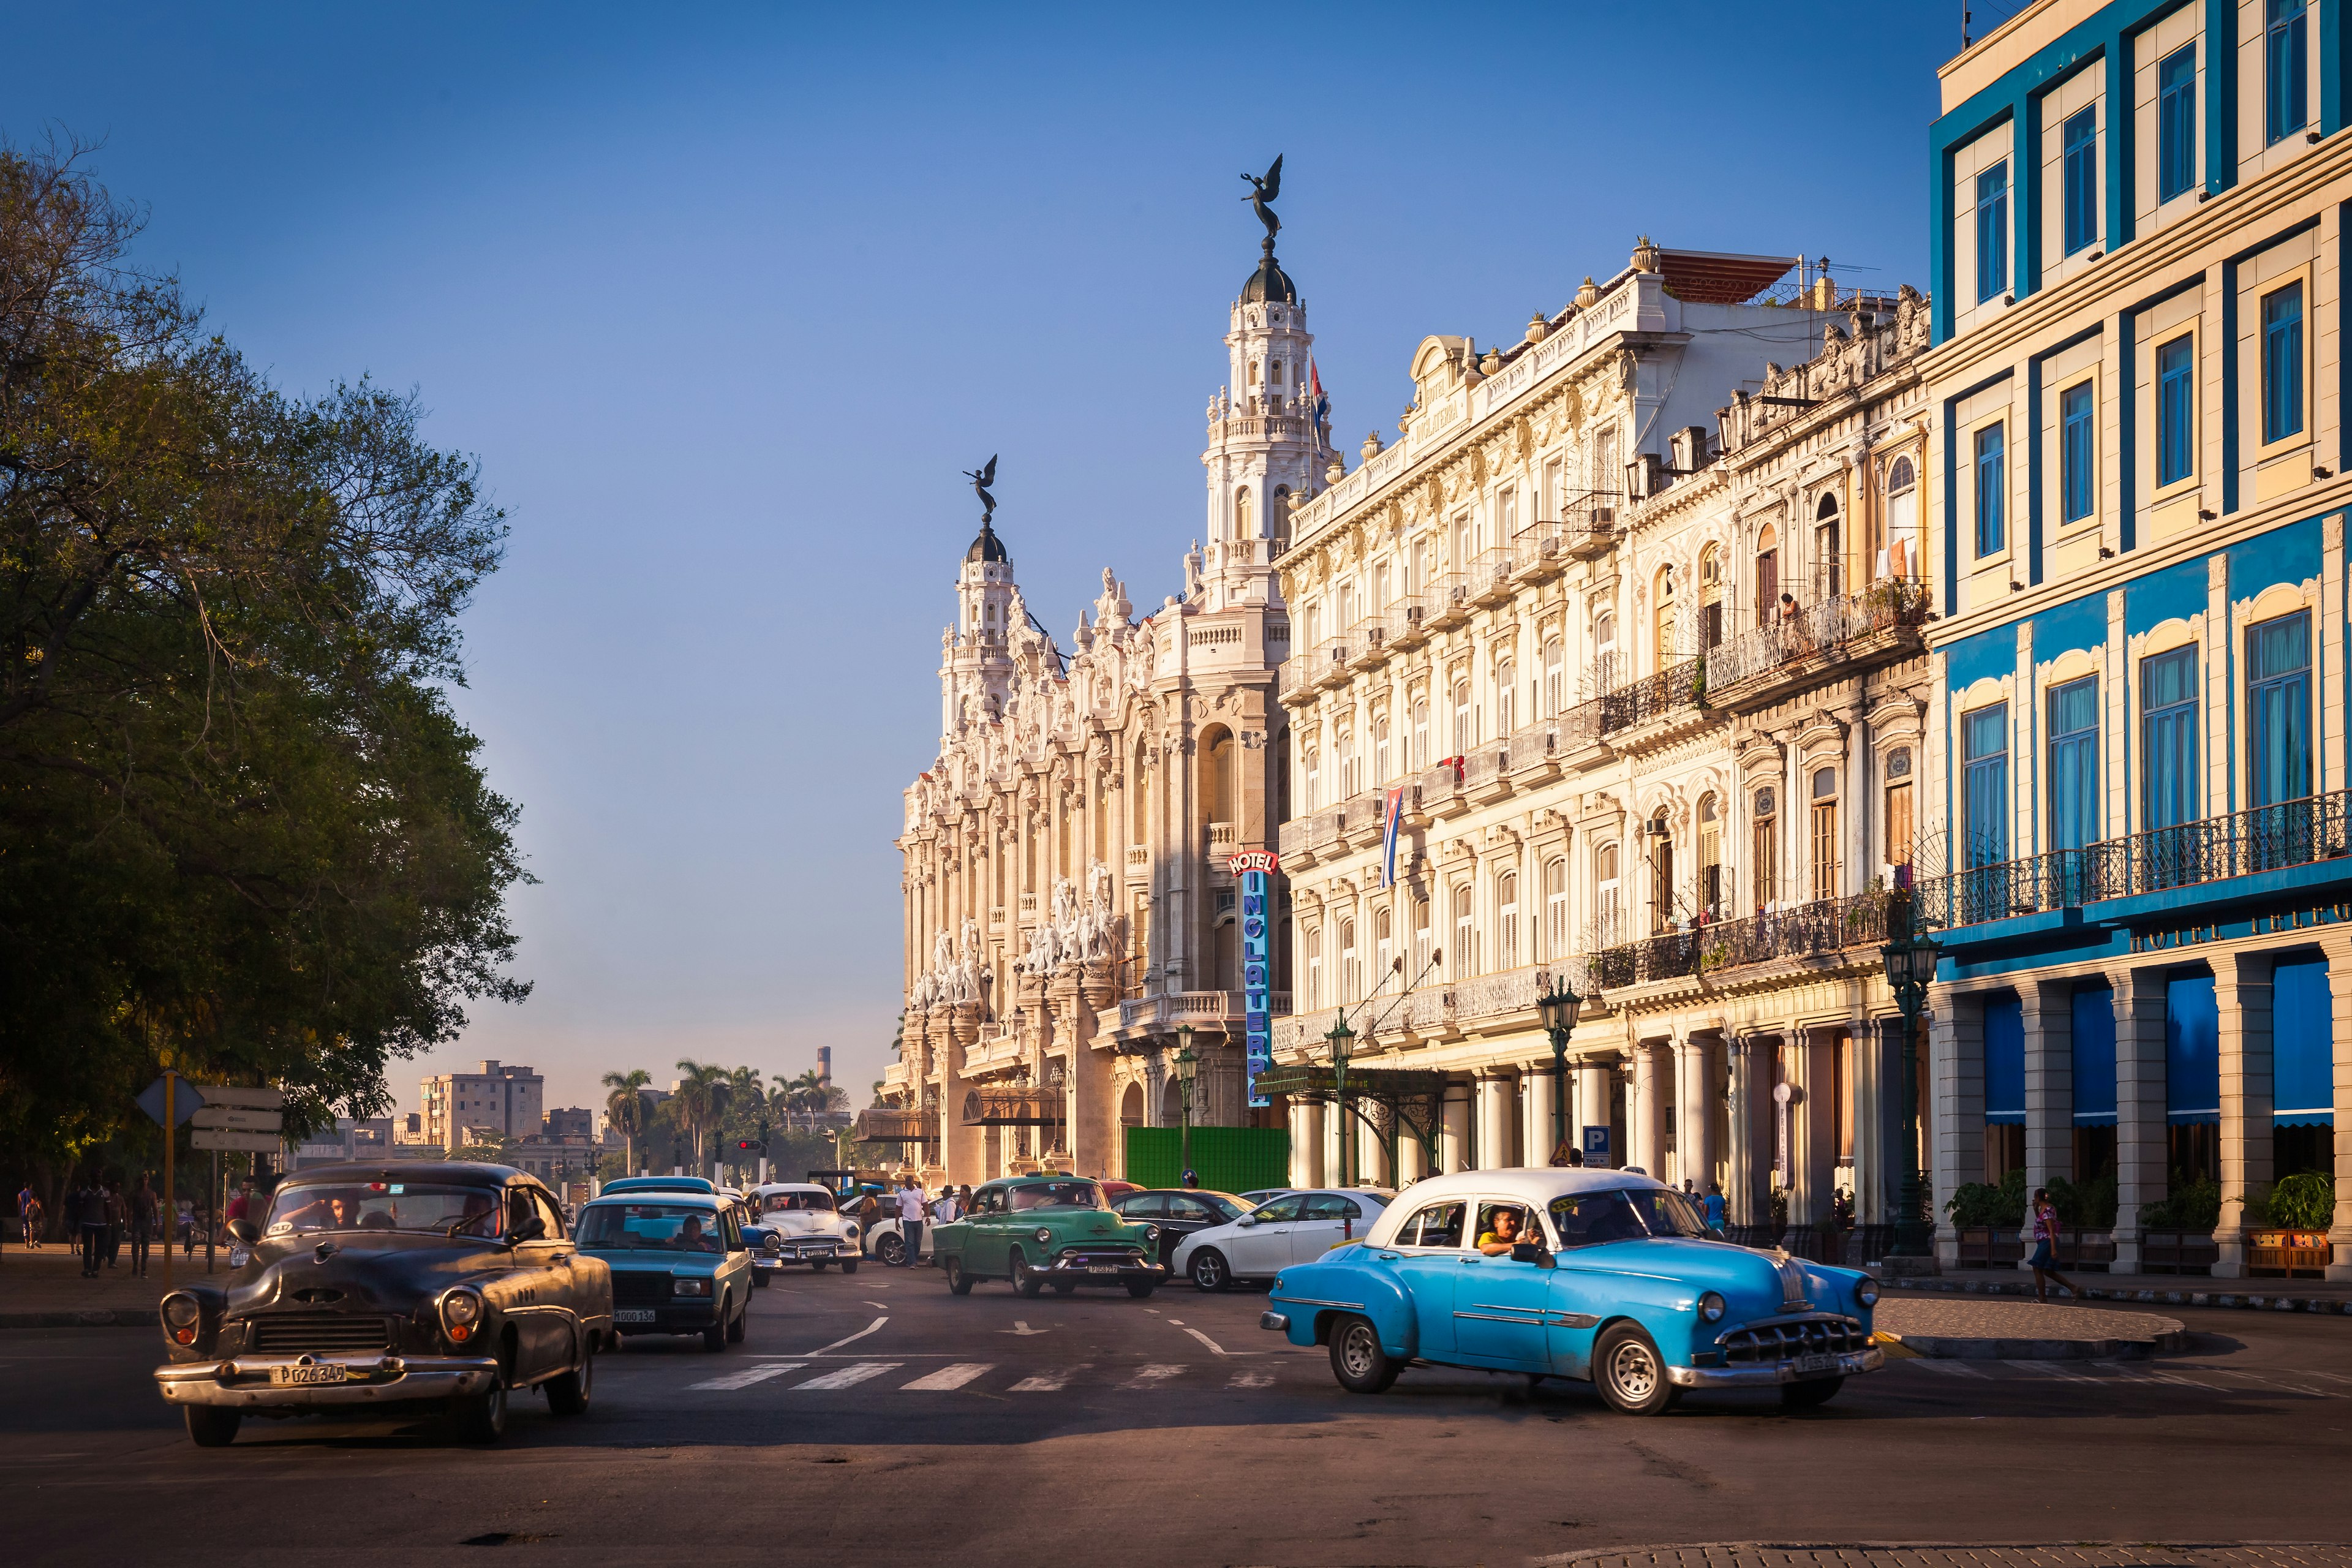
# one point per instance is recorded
(2288, 1254)
(1988, 1246)
(2177, 1252)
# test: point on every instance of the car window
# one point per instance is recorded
(549, 1215)
(1587, 1219)
(1073, 1195)
(1495, 1218)
(1278, 1209)
(652, 1227)
(1226, 1208)
(1331, 1206)
(988, 1200)
(1142, 1205)
(1192, 1209)
(1439, 1225)
(384, 1205)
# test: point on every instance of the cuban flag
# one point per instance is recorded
(1389, 835)
(1318, 406)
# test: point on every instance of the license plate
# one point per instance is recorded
(633, 1315)
(1808, 1363)
(302, 1376)
(1102, 1267)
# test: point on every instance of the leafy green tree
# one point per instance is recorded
(703, 1091)
(626, 1107)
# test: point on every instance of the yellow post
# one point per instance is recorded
(166, 1207)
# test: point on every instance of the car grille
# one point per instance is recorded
(1122, 1255)
(634, 1290)
(287, 1333)
(1812, 1336)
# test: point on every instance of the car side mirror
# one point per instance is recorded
(1247, 1219)
(244, 1233)
(1531, 1252)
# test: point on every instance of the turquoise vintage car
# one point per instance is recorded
(679, 1263)
(1599, 1274)
(1036, 1231)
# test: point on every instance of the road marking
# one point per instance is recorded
(858, 1335)
(750, 1375)
(1216, 1348)
(1049, 1381)
(947, 1377)
(2049, 1370)
(1251, 1377)
(1950, 1368)
(1153, 1375)
(885, 1306)
(848, 1375)
(1020, 1326)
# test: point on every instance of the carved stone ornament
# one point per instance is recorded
(1647, 258)
(1589, 295)
(1538, 328)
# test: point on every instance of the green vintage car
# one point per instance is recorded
(1036, 1231)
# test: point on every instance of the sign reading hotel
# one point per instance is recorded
(1253, 870)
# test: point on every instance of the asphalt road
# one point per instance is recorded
(877, 1420)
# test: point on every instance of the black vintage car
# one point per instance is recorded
(1179, 1212)
(417, 1285)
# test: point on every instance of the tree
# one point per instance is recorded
(624, 1107)
(702, 1095)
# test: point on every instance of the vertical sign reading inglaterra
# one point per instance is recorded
(1254, 870)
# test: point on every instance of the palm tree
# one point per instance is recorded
(624, 1108)
(808, 1096)
(702, 1094)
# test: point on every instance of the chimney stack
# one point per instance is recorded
(824, 1066)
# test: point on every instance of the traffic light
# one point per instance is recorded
(747, 1144)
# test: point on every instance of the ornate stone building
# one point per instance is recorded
(1068, 907)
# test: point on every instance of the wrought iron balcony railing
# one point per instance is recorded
(1820, 628)
(1817, 928)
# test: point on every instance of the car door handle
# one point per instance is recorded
(1388, 1257)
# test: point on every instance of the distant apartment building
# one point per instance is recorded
(499, 1099)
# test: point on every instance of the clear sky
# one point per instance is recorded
(724, 297)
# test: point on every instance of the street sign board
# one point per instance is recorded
(252, 1098)
(229, 1116)
(186, 1100)
(1596, 1145)
(239, 1142)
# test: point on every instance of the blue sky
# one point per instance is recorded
(725, 297)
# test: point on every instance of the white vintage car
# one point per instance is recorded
(801, 1225)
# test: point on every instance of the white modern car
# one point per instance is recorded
(803, 1225)
(1295, 1228)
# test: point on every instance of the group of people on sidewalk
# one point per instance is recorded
(100, 1216)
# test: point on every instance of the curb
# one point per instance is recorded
(89, 1318)
(2326, 1306)
(1942, 1348)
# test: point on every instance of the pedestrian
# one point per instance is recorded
(28, 1210)
(1575, 1156)
(2045, 1261)
(118, 1214)
(89, 1221)
(910, 1220)
(1192, 1180)
(1713, 1206)
(143, 1223)
(187, 1223)
(240, 1206)
(944, 1208)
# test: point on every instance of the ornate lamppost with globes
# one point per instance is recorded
(1559, 1008)
(1910, 967)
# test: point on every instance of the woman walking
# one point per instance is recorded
(2045, 1262)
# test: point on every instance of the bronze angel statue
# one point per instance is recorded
(1263, 191)
(982, 478)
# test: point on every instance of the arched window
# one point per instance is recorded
(1381, 775)
(1554, 676)
(1384, 945)
(1280, 518)
(1346, 749)
(1423, 938)
(1244, 514)
(1313, 943)
(1611, 902)
(1461, 736)
(1507, 688)
(1663, 643)
(1352, 978)
(1507, 920)
(1767, 576)
(1662, 873)
(1829, 557)
(1139, 797)
(1900, 558)
(1710, 856)
(1554, 885)
(1130, 1106)
(1465, 932)
(1825, 855)
(1314, 780)
(1604, 653)
(1710, 597)
(1217, 776)
(1419, 733)
(1766, 854)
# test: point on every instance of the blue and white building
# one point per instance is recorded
(2138, 674)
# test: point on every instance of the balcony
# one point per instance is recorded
(1489, 578)
(1589, 530)
(1759, 665)
(1220, 840)
(2295, 844)
(1448, 601)
(1821, 928)
(1138, 857)
(1367, 642)
(1330, 663)
(1539, 552)
(1408, 619)
(1200, 1009)
(1487, 772)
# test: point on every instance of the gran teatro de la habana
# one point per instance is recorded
(1566, 773)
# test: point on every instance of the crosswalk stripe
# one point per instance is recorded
(750, 1375)
(947, 1377)
(1949, 1368)
(1153, 1375)
(849, 1375)
(1258, 1379)
(2049, 1370)
(1048, 1382)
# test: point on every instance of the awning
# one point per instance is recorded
(887, 1126)
(2303, 1044)
(1713, 278)
(2004, 1062)
(2192, 1051)
(1013, 1108)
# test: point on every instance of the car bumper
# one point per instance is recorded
(677, 1318)
(1107, 1273)
(830, 1249)
(1770, 1374)
(245, 1381)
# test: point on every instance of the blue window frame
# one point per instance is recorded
(2078, 453)
(2286, 75)
(1992, 479)
(2079, 202)
(1984, 814)
(1992, 232)
(2176, 410)
(2074, 763)
(2278, 738)
(2176, 123)
(2282, 363)
(2170, 794)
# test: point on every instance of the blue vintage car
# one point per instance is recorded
(678, 1261)
(1599, 1274)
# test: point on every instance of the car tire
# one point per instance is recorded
(741, 1324)
(1141, 1290)
(568, 1394)
(1211, 1272)
(1026, 1279)
(849, 1265)
(714, 1338)
(759, 1279)
(482, 1417)
(890, 1251)
(209, 1427)
(959, 1282)
(818, 1265)
(1358, 1360)
(1810, 1394)
(1065, 1287)
(1630, 1373)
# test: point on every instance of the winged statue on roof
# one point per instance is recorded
(1262, 191)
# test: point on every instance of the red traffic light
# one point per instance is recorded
(746, 1144)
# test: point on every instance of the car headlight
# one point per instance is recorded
(773, 1244)
(850, 1230)
(180, 1316)
(689, 1287)
(1043, 1234)
(1867, 1293)
(1711, 1308)
(1151, 1233)
(461, 1313)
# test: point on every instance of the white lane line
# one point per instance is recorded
(879, 1306)
(1949, 1368)
(1251, 1377)
(947, 1377)
(1153, 1375)
(858, 1335)
(2272, 1379)
(2049, 1370)
(847, 1376)
(1049, 1381)
(750, 1375)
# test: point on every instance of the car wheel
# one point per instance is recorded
(714, 1338)
(210, 1426)
(1810, 1394)
(1357, 1359)
(817, 1265)
(959, 1282)
(482, 1417)
(890, 1251)
(568, 1394)
(1065, 1287)
(742, 1323)
(1210, 1271)
(1630, 1373)
(1026, 1279)
(759, 1279)
(1141, 1288)
(849, 1265)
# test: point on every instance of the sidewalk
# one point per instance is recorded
(2330, 1297)
(45, 1289)
(1873, 1554)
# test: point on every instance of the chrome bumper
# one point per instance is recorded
(243, 1383)
(1772, 1374)
(1277, 1321)
(831, 1249)
(1125, 1268)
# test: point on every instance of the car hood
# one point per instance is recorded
(357, 1272)
(1079, 1224)
(803, 1222)
(1753, 1284)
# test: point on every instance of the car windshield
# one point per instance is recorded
(1587, 1219)
(658, 1227)
(1055, 1195)
(383, 1205)
(792, 1202)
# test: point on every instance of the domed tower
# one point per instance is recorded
(1269, 444)
(976, 673)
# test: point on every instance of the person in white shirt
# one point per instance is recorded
(945, 1209)
(910, 1220)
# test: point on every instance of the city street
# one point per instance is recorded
(878, 1420)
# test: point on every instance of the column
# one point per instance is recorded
(1748, 1152)
(1877, 1120)
(1813, 1124)
(1695, 1109)
(1956, 1062)
(1592, 1100)
(2140, 1143)
(954, 1030)
(1645, 1109)
(1493, 1147)
(1335, 1119)
(1371, 1159)
(1454, 1142)
(2336, 943)
(1306, 1143)
(2048, 1007)
(2241, 989)
(1539, 1137)
(1412, 1159)
(1097, 1145)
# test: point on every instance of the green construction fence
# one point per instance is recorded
(1226, 1159)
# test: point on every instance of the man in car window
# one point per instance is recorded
(1504, 1232)
(481, 1214)
(328, 1211)
(690, 1237)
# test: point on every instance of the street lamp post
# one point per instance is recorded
(1559, 1009)
(1341, 1037)
(1910, 965)
(1187, 1065)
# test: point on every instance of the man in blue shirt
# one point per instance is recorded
(1714, 1207)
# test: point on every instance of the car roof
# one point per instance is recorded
(710, 1201)
(1536, 1184)
(1181, 1193)
(766, 1187)
(661, 1184)
(1032, 1180)
(457, 1172)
